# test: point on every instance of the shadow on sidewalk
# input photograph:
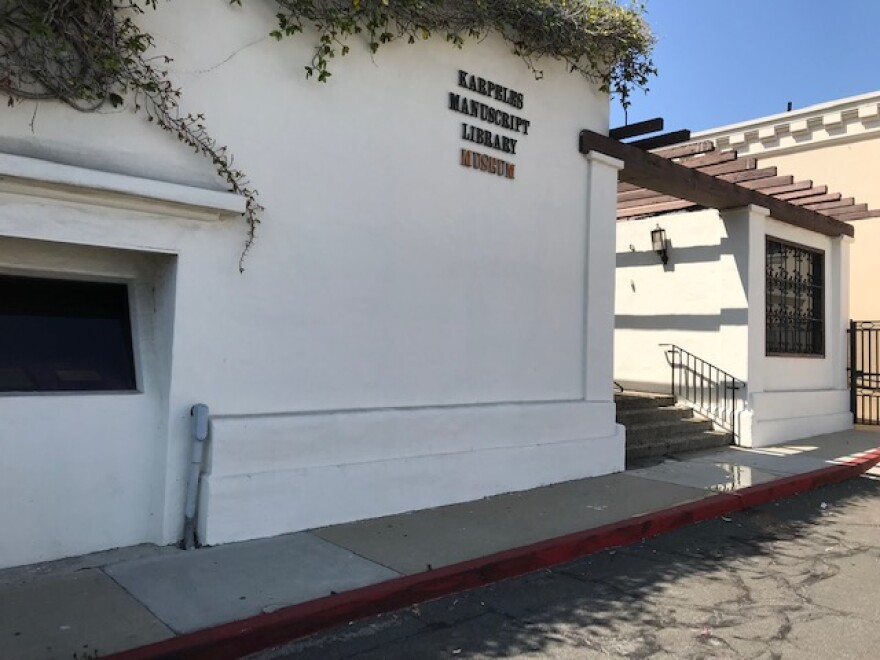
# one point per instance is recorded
(730, 585)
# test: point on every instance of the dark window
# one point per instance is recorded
(60, 335)
(795, 299)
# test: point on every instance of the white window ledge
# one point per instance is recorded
(20, 174)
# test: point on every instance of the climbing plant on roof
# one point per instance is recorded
(90, 53)
(603, 40)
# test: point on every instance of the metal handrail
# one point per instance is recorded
(709, 390)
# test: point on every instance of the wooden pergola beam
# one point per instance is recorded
(682, 150)
(738, 165)
(657, 141)
(778, 184)
(859, 215)
(709, 159)
(817, 199)
(656, 198)
(648, 170)
(803, 192)
(638, 193)
(824, 206)
(675, 205)
(851, 208)
(749, 175)
(639, 128)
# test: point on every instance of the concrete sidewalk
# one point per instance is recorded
(125, 599)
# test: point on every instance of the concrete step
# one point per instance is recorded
(635, 416)
(660, 431)
(679, 445)
(630, 400)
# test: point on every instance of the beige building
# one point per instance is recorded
(835, 144)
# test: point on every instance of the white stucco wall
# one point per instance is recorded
(709, 300)
(795, 397)
(407, 333)
(680, 303)
(84, 470)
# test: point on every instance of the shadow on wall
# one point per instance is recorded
(689, 322)
(698, 254)
(633, 258)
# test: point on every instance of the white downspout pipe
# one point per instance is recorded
(199, 414)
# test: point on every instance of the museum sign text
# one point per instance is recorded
(483, 123)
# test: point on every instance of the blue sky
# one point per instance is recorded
(725, 61)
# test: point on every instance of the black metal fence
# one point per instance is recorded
(710, 391)
(863, 369)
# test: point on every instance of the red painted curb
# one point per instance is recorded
(234, 640)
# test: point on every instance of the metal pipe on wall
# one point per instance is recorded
(199, 414)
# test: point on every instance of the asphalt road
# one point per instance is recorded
(798, 578)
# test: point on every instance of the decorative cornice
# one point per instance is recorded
(32, 176)
(844, 120)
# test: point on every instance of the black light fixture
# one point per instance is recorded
(659, 244)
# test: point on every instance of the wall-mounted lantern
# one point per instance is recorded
(659, 243)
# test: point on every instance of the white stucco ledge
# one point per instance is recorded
(604, 159)
(750, 210)
(23, 175)
(755, 209)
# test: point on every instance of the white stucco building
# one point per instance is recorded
(408, 332)
(760, 293)
(711, 301)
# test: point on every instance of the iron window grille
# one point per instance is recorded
(795, 302)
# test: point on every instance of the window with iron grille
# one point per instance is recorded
(795, 299)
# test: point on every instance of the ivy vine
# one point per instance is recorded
(89, 53)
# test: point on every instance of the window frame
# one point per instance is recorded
(822, 319)
(130, 334)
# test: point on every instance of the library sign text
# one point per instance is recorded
(483, 124)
